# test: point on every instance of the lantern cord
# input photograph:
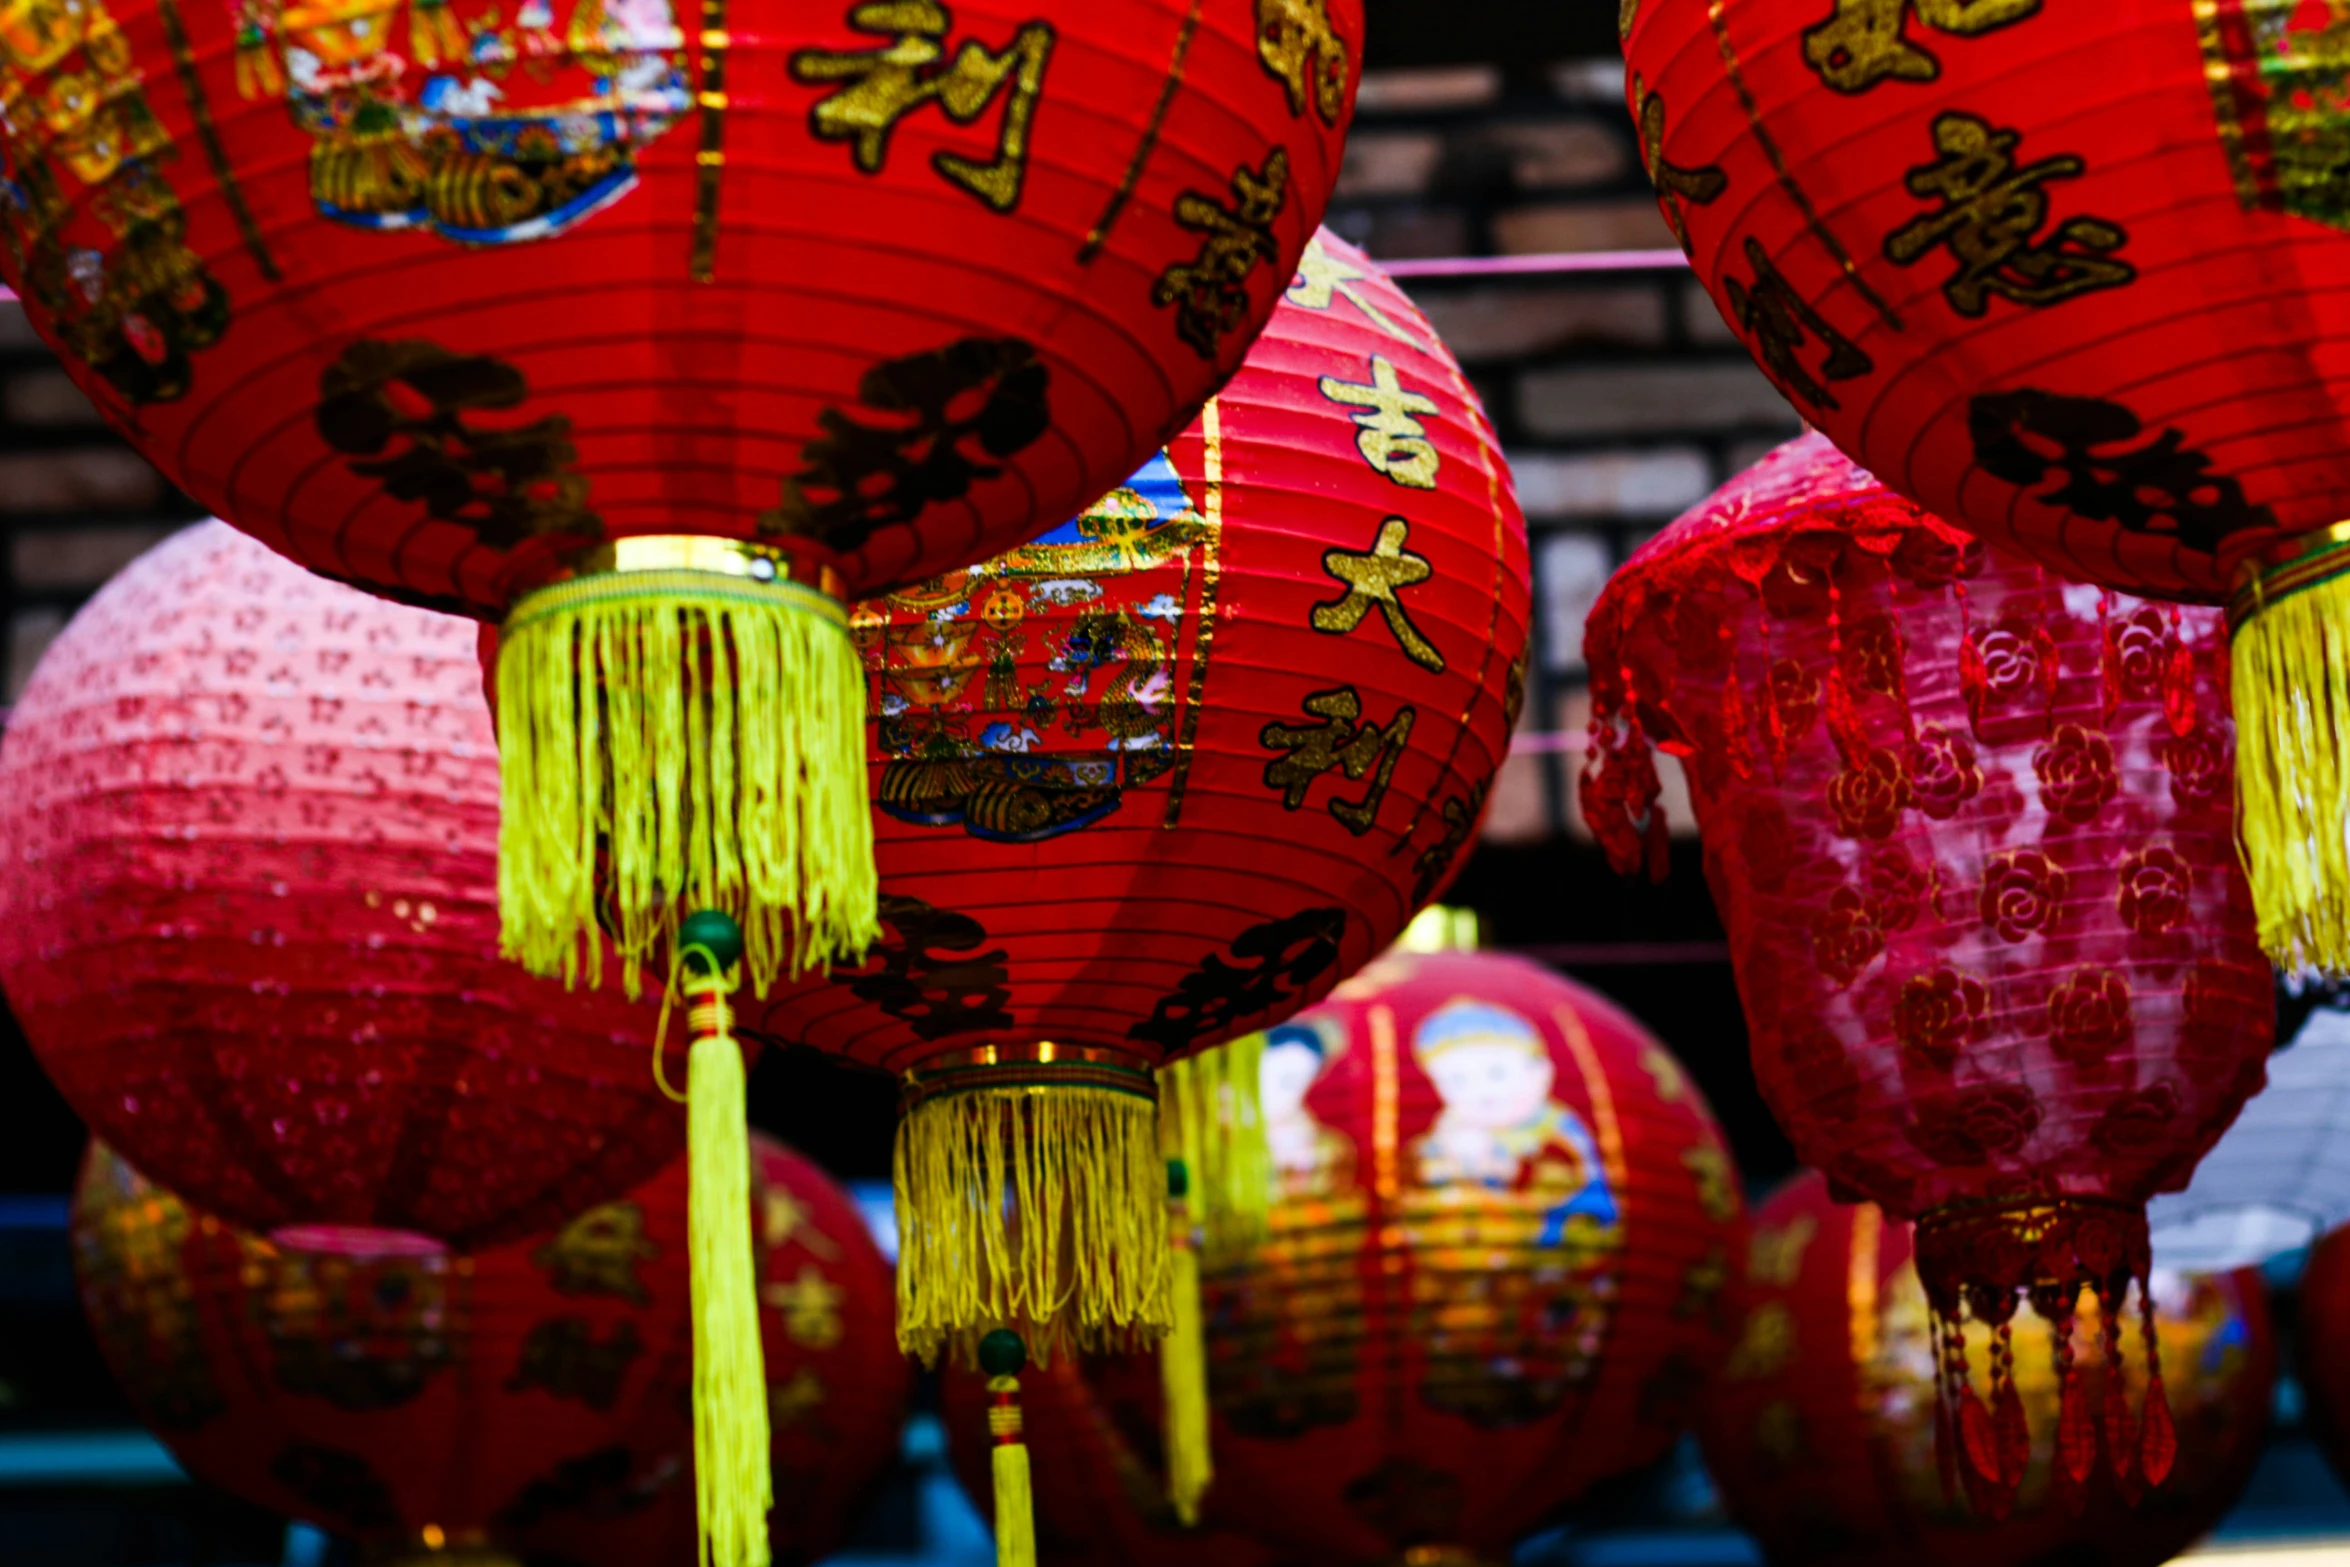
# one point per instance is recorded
(673, 738)
(1183, 1362)
(1031, 1193)
(1210, 1118)
(2291, 666)
(733, 1485)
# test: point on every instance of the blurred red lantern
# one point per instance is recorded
(2106, 328)
(1164, 775)
(2323, 1363)
(1970, 830)
(1498, 1265)
(530, 1398)
(1093, 1428)
(1819, 1429)
(657, 334)
(248, 822)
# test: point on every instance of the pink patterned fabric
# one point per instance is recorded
(248, 881)
(1969, 827)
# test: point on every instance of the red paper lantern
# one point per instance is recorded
(657, 333)
(1498, 1265)
(2105, 327)
(1164, 775)
(1819, 1428)
(529, 1398)
(248, 822)
(1970, 830)
(2323, 1363)
(1093, 1429)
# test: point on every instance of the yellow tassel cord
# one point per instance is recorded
(733, 1486)
(675, 739)
(1183, 1363)
(1030, 1194)
(1001, 1355)
(1209, 1118)
(2291, 635)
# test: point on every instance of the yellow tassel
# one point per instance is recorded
(2291, 667)
(1183, 1364)
(733, 1485)
(1030, 1193)
(1211, 1120)
(681, 739)
(1001, 1355)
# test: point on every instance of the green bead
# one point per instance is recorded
(714, 930)
(1001, 1354)
(1178, 1180)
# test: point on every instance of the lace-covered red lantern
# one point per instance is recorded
(1162, 776)
(531, 1397)
(1970, 830)
(248, 828)
(1819, 1427)
(1498, 1266)
(657, 332)
(2102, 325)
(1094, 1431)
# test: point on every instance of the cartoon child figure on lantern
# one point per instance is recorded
(484, 133)
(1309, 1158)
(1500, 1128)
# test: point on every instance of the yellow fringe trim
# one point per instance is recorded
(2291, 668)
(1015, 1505)
(1040, 1208)
(733, 1486)
(1210, 1118)
(1183, 1377)
(675, 740)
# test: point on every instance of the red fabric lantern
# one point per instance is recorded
(1498, 1265)
(2323, 1361)
(248, 822)
(657, 333)
(2104, 327)
(1164, 775)
(529, 1398)
(1093, 1428)
(1970, 830)
(1819, 1428)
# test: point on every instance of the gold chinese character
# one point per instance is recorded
(1715, 1194)
(884, 85)
(598, 1253)
(789, 1402)
(1863, 43)
(1390, 439)
(1781, 324)
(1665, 1072)
(1766, 1345)
(1341, 741)
(1778, 1433)
(1676, 188)
(1320, 276)
(1702, 1286)
(784, 1219)
(1989, 213)
(1375, 577)
(1210, 291)
(811, 1308)
(1777, 1257)
(1299, 49)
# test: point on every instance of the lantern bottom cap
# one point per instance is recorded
(1031, 1194)
(2290, 655)
(673, 739)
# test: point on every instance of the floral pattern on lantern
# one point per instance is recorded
(1820, 1432)
(1498, 1267)
(248, 838)
(2020, 1057)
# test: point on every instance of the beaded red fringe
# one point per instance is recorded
(1978, 1263)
